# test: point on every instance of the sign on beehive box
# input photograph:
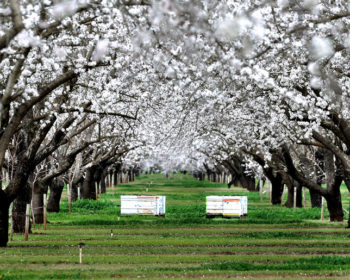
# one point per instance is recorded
(227, 206)
(142, 205)
(232, 207)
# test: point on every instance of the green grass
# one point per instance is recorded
(273, 242)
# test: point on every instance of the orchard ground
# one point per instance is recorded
(273, 242)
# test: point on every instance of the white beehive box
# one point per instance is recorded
(232, 206)
(227, 206)
(214, 205)
(142, 205)
(245, 205)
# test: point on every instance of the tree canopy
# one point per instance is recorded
(182, 84)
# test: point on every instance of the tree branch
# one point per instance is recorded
(22, 110)
(297, 176)
(18, 25)
(89, 111)
(335, 150)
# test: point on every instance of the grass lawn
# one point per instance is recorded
(273, 242)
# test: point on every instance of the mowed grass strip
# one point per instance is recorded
(194, 234)
(176, 250)
(311, 268)
(273, 242)
(190, 242)
(149, 259)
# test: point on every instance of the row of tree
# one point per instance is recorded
(68, 110)
(259, 88)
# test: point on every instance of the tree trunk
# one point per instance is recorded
(120, 176)
(335, 208)
(77, 183)
(208, 175)
(290, 197)
(56, 189)
(74, 192)
(334, 179)
(19, 209)
(115, 182)
(4, 218)
(299, 196)
(247, 182)
(316, 199)
(38, 206)
(234, 181)
(229, 184)
(39, 189)
(109, 182)
(19, 215)
(277, 189)
(88, 189)
(100, 179)
(334, 203)
(129, 175)
(103, 182)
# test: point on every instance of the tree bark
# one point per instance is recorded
(103, 182)
(290, 200)
(38, 206)
(74, 192)
(116, 176)
(299, 196)
(121, 176)
(334, 203)
(277, 189)
(290, 196)
(133, 175)
(130, 175)
(56, 189)
(77, 183)
(316, 199)
(4, 218)
(88, 187)
(19, 210)
(247, 182)
(334, 177)
(335, 208)
(19, 192)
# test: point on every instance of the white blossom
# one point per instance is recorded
(101, 50)
(321, 47)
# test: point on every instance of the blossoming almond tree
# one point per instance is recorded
(60, 76)
(194, 81)
(266, 75)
